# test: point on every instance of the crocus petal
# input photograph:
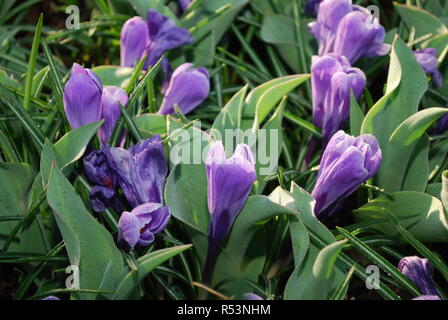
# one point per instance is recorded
(332, 80)
(111, 98)
(188, 88)
(442, 125)
(229, 185)
(98, 170)
(129, 230)
(184, 4)
(420, 272)
(164, 35)
(142, 223)
(348, 30)
(252, 296)
(101, 198)
(82, 97)
(347, 162)
(51, 298)
(133, 41)
(141, 171)
(312, 7)
(427, 59)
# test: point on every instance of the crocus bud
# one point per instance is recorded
(101, 198)
(110, 100)
(184, 4)
(312, 7)
(82, 97)
(134, 39)
(229, 184)
(346, 163)
(188, 88)
(141, 224)
(332, 80)
(348, 30)
(427, 59)
(420, 272)
(141, 171)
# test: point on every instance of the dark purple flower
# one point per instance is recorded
(312, 7)
(134, 40)
(184, 4)
(348, 30)
(332, 80)
(160, 35)
(82, 97)
(347, 162)
(229, 184)
(141, 171)
(141, 224)
(442, 125)
(167, 75)
(188, 88)
(110, 100)
(98, 171)
(420, 272)
(427, 297)
(427, 59)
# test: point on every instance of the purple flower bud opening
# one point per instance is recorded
(427, 59)
(346, 163)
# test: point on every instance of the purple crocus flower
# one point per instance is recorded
(229, 182)
(188, 88)
(82, 97)
(141, 224)
(420, 272)
(346, 163)
(348, 30)
(141, 171)
(184, 4)
(312, 7)
(427, 59)
(332, 80)
(110, 100)
(98, 171)
(159, 35)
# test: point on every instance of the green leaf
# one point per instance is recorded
(32, 63)
(89, 245)
(419, 213)
(15, 182)
(230, 115)
(144, 266)
(150, 124)
(406, 143)
(444, 194)
(263, 98)
(114, 75)
(405, 87)
(423, 21)
(356, 116)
